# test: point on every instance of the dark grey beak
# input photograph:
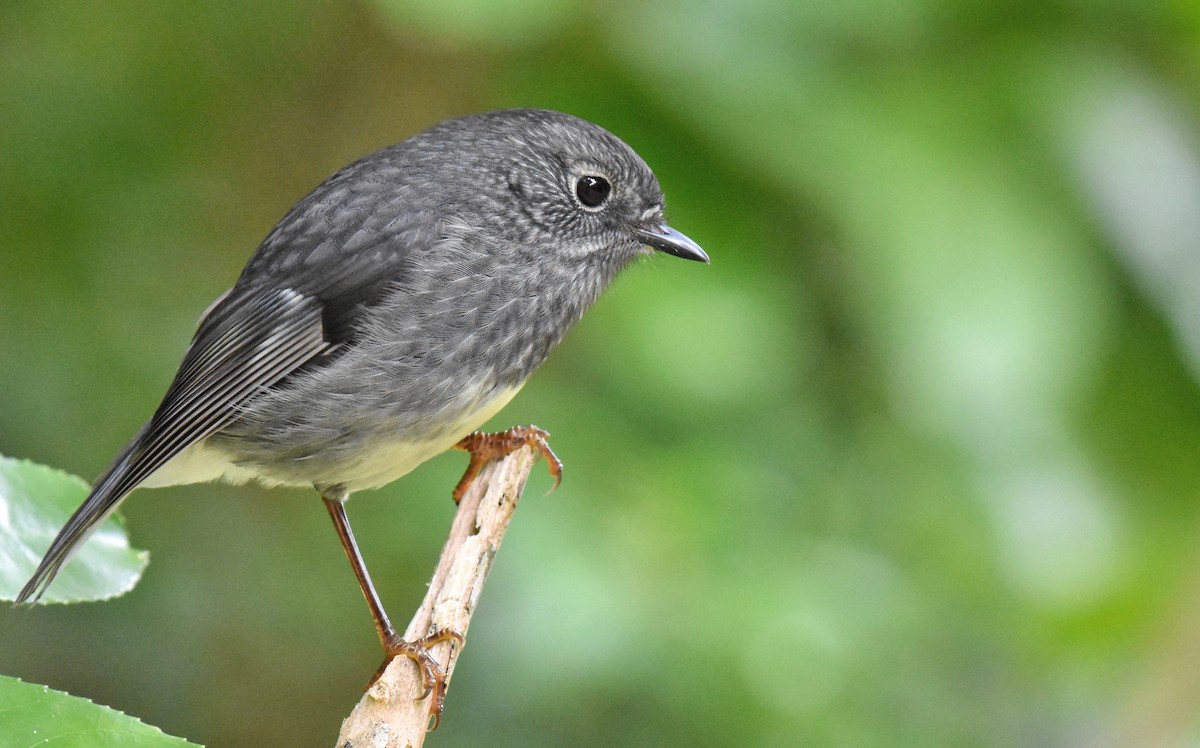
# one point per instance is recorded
(666, 239)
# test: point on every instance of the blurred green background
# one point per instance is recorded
(912, 463)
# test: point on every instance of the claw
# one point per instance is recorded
(433, 678)
(485, 447)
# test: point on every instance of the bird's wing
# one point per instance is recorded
(248, 341)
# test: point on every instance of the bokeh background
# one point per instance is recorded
(913, 462)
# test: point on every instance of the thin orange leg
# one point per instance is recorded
(432, 675)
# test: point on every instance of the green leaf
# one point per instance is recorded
(35, 502)
(38, 715)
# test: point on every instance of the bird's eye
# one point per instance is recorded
(592, 191)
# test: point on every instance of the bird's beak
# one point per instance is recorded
(666, 239)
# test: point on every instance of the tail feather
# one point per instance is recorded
(107, 493)
(251, 339)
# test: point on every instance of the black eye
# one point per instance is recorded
(592, 191)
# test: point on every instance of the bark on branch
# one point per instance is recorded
(389, 714)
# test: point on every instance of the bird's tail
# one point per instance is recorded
(107, 493)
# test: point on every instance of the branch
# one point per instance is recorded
(389, 715)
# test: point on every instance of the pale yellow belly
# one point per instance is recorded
(374, 465)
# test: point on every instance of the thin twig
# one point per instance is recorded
(389, 714)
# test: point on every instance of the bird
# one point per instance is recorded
(388, 315)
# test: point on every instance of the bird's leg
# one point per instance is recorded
(432, 675)
(484, 447)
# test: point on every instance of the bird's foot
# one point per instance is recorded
(433, 677)
(485, 447)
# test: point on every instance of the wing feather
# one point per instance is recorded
(249, 341)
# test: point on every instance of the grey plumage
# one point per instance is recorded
(393, 310)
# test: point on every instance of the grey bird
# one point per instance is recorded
(389, 314)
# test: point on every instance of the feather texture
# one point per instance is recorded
(249, 341)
